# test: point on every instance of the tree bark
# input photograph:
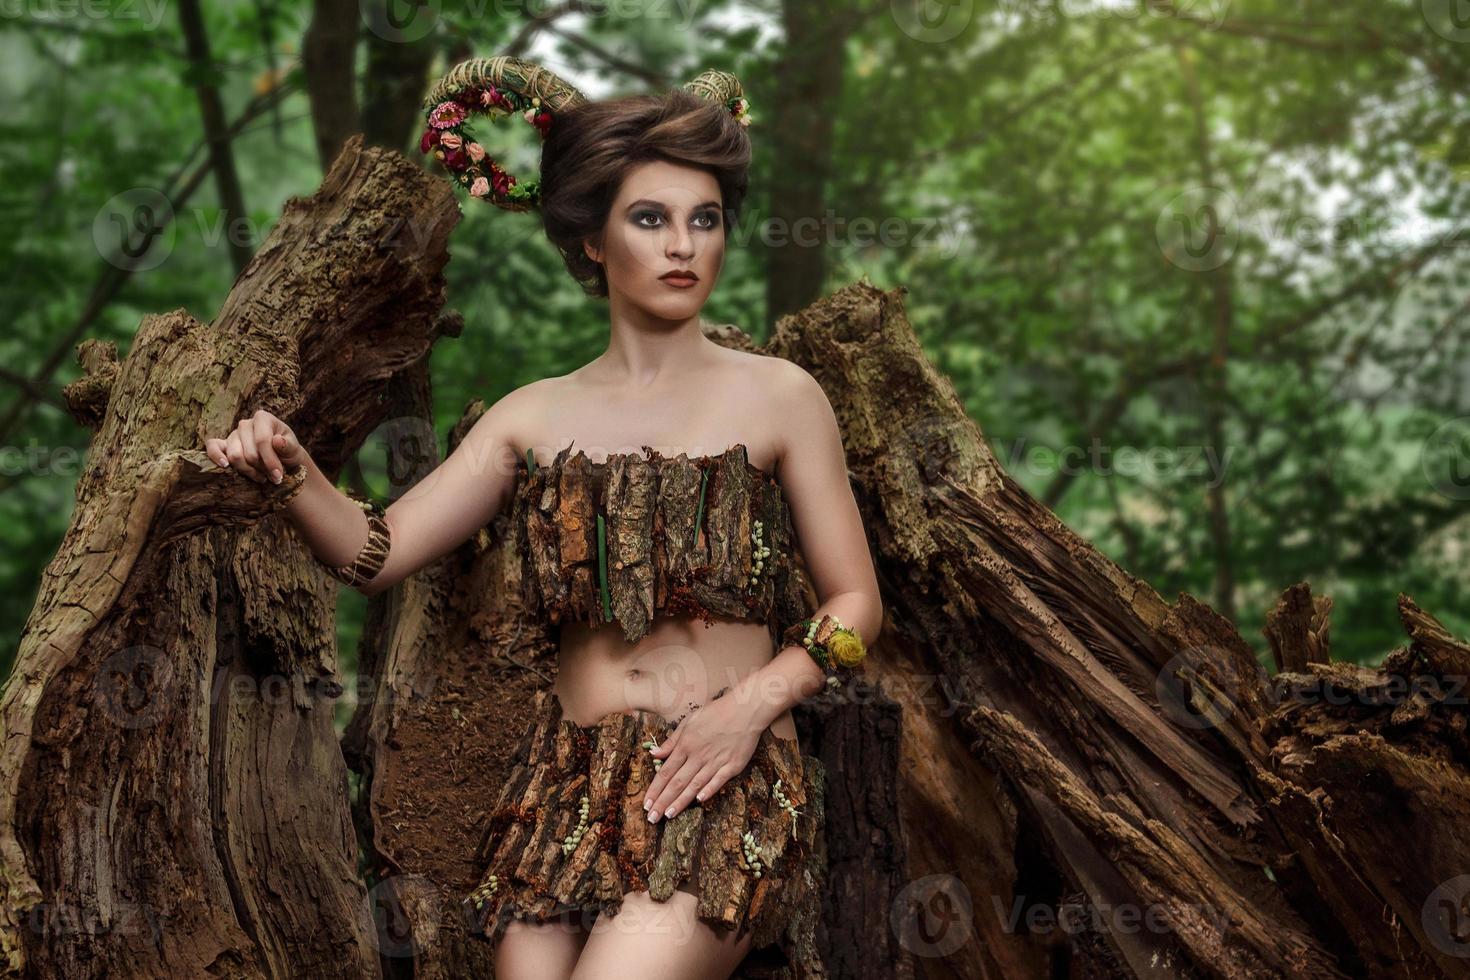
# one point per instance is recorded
(174, 799)
(1039, 735)
(1128, 758)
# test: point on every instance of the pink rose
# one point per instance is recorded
(480, 187)
(477, 152)
(451, 141)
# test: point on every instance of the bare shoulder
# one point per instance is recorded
(787, 385)
(773, 378)
(792, 407)
(510, 418)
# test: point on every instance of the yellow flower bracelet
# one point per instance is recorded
(833, 646)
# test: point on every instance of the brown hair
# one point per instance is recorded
(592, 147)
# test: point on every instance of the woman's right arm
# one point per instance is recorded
(440, 512)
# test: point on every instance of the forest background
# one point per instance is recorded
(1198, 270)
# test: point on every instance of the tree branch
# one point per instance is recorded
(216, 130)
(117, 272)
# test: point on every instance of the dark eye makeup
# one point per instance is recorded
(710, 214)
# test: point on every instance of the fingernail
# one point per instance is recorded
(653, 816)
(671, 811)
(276, 475)
(647, 804)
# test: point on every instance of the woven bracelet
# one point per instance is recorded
(835, 648)
(374, 552)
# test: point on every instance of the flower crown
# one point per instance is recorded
(501, 87)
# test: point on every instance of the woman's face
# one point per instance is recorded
(666, 218)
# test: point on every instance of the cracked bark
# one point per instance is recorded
(175, 801)
(1044, 730)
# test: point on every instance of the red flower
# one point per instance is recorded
(456, 159)
(431, 136)
(446, 114)
(543, 122)
(494, 97)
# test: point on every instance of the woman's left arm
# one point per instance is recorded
(829, 529)
(717, 741)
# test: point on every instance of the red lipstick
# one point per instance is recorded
(680, 278)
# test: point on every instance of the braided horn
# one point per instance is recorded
(503, 84)
(715, 85)
(525, 77)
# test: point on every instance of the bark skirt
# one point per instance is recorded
(568, 833)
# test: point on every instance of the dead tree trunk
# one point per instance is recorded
(1131, 765)
(1055, 771)
(174, 800)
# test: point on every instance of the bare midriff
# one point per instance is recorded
(678, 665)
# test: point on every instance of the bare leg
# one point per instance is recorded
(540, 951)
(659, 941)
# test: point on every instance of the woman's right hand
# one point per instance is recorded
(262, 447)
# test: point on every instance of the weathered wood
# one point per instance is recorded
(869, 898)
(1297, 628)
(462, 657)
(657, 560)
(1042, 730)
(568, 831)
(1147, 763)
(631, 493)
(174, 801)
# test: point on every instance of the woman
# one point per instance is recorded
(638, 195)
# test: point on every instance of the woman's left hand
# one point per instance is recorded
(708, 747)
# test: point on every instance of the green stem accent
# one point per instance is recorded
(602, 569)
(699, 512)
(530, 460)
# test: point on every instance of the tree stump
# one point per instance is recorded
(1043, 737)
(175, 802)
(1129, 762)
